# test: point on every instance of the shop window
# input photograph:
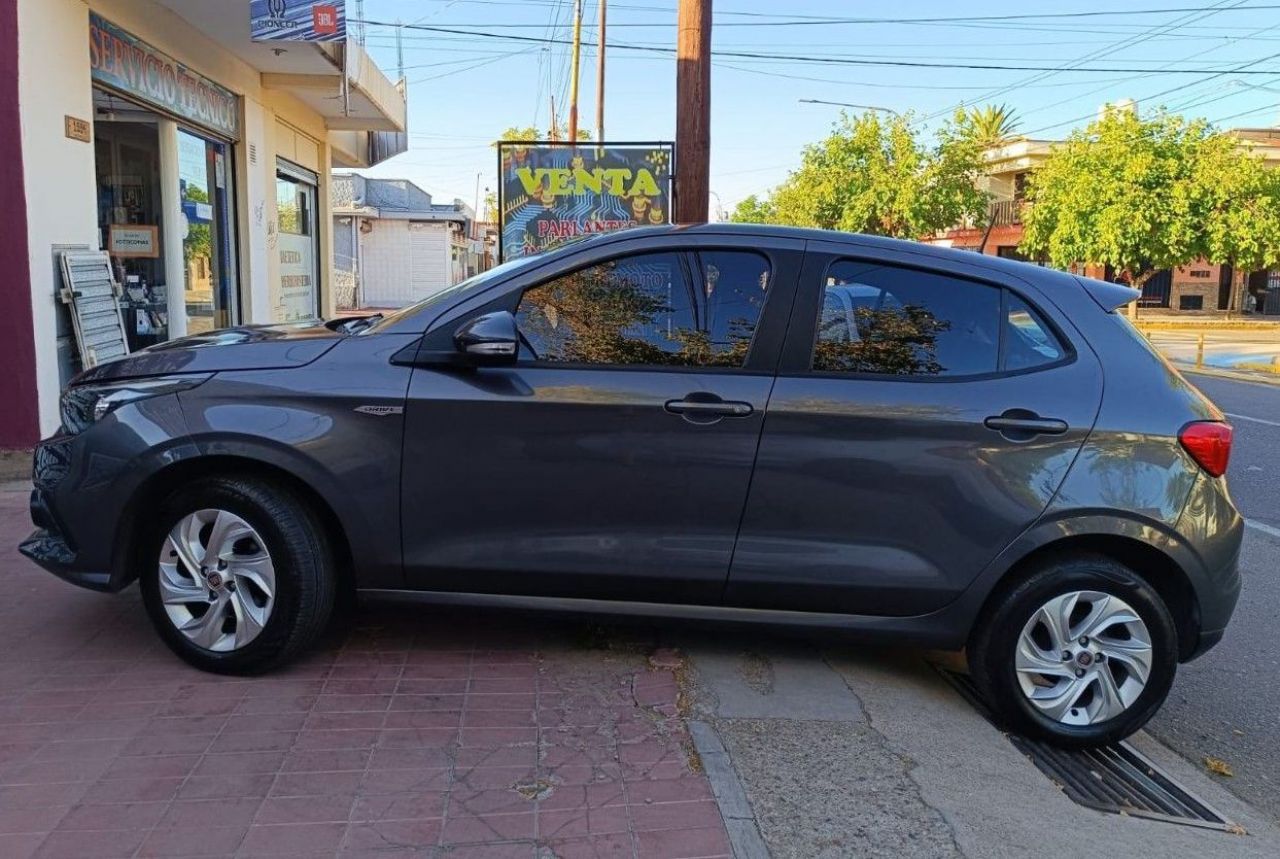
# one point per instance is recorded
(204, 189)
(1191, 302)
(298, 252)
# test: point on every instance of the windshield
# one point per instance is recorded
(476, 282)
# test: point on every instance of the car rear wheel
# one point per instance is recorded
(1082, 652)
(238, 578)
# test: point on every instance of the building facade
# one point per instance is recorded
(200, 159)
(1202, 287)
(393, 245)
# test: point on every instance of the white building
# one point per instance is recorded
(393, 246)
(160, 129)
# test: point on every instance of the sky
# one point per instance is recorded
(1218, 59)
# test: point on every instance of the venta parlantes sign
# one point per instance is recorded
(124, 62)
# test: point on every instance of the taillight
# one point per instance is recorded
(1209, 443)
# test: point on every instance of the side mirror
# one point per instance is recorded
(489, 340)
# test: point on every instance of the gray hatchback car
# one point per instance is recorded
(755, 424)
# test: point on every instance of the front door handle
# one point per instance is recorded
(1021, 424)
(709, 408)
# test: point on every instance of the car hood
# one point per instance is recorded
(247, 347)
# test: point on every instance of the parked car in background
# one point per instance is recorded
(760, 424)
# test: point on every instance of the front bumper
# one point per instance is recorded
(85, 486)
(50, 547)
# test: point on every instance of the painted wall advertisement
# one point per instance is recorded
(549, 193)
(297, 20)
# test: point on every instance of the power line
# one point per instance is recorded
(850, 61)
(1127, 42)
(821, 21)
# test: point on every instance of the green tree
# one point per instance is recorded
(1142, 195)
(991, 125)
(753, 210)
(531, 132)
(872, 175)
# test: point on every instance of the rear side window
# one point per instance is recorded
(1028, 341)
(901, 322)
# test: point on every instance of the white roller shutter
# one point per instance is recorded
(428, 258)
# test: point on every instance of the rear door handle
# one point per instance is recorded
(709, 409)
(1019, 422)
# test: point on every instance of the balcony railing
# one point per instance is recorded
(1003, 213)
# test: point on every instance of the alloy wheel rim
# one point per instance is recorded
(217, 580)
(1084, 657)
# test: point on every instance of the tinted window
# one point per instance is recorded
(880, 319)
(734, 287)
(641, 310)
(1028, 342)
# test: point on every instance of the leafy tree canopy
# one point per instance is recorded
(874, 175)
(991, 125)
(531, 132)
(1144, 194)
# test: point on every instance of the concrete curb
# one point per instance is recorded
(1206, 325)
(744, 835)
(1272, 379)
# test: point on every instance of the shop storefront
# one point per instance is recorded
(165, 134)
(163, 152)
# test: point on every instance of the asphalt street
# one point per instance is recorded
(1227, 703)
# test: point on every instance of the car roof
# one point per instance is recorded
(1107, 295)
(859, 240)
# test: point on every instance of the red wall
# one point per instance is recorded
(19, 405)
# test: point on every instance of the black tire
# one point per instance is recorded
(301, 556)
(993, 643)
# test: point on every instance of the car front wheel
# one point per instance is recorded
(239, 577)
(1082, 652)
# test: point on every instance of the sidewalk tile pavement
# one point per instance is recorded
(416, 732)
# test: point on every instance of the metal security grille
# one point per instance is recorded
(94, 298)
(1116, 778)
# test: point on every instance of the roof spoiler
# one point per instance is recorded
(1109, 296)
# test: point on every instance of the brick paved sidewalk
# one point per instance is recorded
(423, 732)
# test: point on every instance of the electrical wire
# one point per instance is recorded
(851, 61)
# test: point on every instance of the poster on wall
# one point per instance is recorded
(133, 240)
(297, 20)
(550, 193)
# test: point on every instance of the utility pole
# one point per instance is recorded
(693, 112)
(554, 133)
(573, 79)
(399, 50)
(604, 9)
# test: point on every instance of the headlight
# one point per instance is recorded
(84, 405)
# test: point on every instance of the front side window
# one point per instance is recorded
(642, 310)
(902, 322)
(734, 287)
